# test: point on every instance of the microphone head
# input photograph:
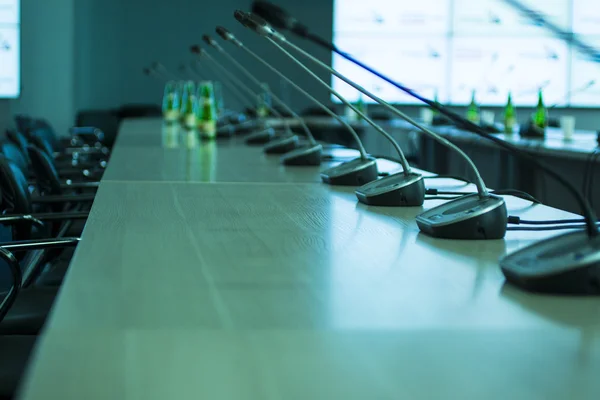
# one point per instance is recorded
(278, 17)
(241, 17)
(224, 33)
(209, 41)
(196, 49)
(257, 24)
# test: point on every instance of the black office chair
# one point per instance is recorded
(62, 215)
(71, 177)
(79, 136)
(15, 350)
(74, 157)
(33, 304)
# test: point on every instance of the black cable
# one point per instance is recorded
(442, 197)
(586, 175)
(514, 220)
(590, 215)
(274, 13)
(592, 179)
(435, 192)
(507, 192)
(517, 193)
(544, 228)
(458, 178)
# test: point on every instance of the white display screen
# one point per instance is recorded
(9, 49)
(452, 47)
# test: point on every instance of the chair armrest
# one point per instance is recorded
(61, 216)
(87, 133)
(62, 199)
(42, 244)
(74, 173)
(80, 185)
(17, 278)
(40, 217)
(17, 219)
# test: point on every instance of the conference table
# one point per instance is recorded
(208, 270)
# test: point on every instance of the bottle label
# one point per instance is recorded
(207, 129)
(171, 115)
(189, 121)
(509, 124)
(473, 117)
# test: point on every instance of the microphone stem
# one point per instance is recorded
(277, 99)
(481, 187)
(405, 165)
(249, 92)
(231, 87)
(361, 149)
(168, 75)
(588, 212)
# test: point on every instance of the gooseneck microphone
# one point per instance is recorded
(243, 126)
(264, 135)
(403, 189)
(278, 146)
(248, 95)
(575, 269)
(233, 90)
(477, 216)
(481, 187)
(351, 173)
(163, 71)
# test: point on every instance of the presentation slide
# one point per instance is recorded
(493, 66)
(454, 47)
(586, 17)
(384, 17)
(9, 49)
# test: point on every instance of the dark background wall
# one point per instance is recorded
(82, 54)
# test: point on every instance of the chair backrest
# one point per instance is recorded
(47, 176)
(14, 154)
(38, 138)
(15, 196)
(10, 263)
(23, 122)
(20, 140)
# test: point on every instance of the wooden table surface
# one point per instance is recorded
(290, 289)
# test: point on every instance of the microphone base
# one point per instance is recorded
(281, 146)
(397, 190)
(567, 264)
(469, 217)
(357, 172)
(261, 137)
(246, 128)
(309, 155)
(226, 131)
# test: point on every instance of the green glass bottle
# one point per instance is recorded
(473, 110)
(170, 106)
(264, 101)
(207, 118)
(540, 117)
(510, 116)
(189, 106)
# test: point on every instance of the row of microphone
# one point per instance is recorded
(481, 215)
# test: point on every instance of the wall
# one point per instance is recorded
(82, 54)
(47, 43)
(115, 39)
